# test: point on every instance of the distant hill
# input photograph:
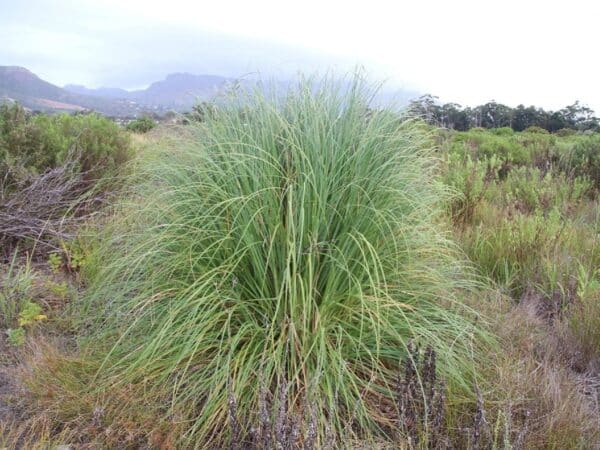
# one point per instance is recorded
(19, 84)
(179, 91)
(182, 90)
(100, 92)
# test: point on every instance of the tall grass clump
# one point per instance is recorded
(272, 265)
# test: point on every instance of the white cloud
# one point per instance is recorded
(530, 52)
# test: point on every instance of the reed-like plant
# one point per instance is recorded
(272, 264)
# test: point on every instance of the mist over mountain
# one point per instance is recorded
(99, 92)
(177, 91)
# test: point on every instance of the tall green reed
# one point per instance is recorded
(284, 252)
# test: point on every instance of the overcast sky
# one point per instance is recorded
(544, 53)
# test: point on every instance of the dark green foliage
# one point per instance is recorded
(496, 115)
(19, 140)
(31, 144)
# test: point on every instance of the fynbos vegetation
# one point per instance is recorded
(298, 271)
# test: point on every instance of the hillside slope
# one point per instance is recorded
(20, 84)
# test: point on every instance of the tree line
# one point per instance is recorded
(496, 115)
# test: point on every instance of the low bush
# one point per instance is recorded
(99, 144)
(30, 145)
(50, 168)
(503, 131)
(485, 145)
(583, 158)
(470, 179)
(18, 311)
(536, 130)
(530, 190)
(564, 132)
(141, 125)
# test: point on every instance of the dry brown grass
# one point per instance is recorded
(52, 403)
(536, 395)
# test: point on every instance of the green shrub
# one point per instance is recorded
(503, 131)
(141, 125)
(55, 261)
(485, 145)
(15, 336)
(541, 148)
(529, 190)
(30, 313)
(17, 309)
(285, 257)
(19, 146)
(470, 179)
(99, 143)
(15, 284)
(29, 145)
(504, 149)
(536, 130)
(564, 132)
(583, 158)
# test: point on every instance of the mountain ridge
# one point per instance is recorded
(21, 85)
(178, 91)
